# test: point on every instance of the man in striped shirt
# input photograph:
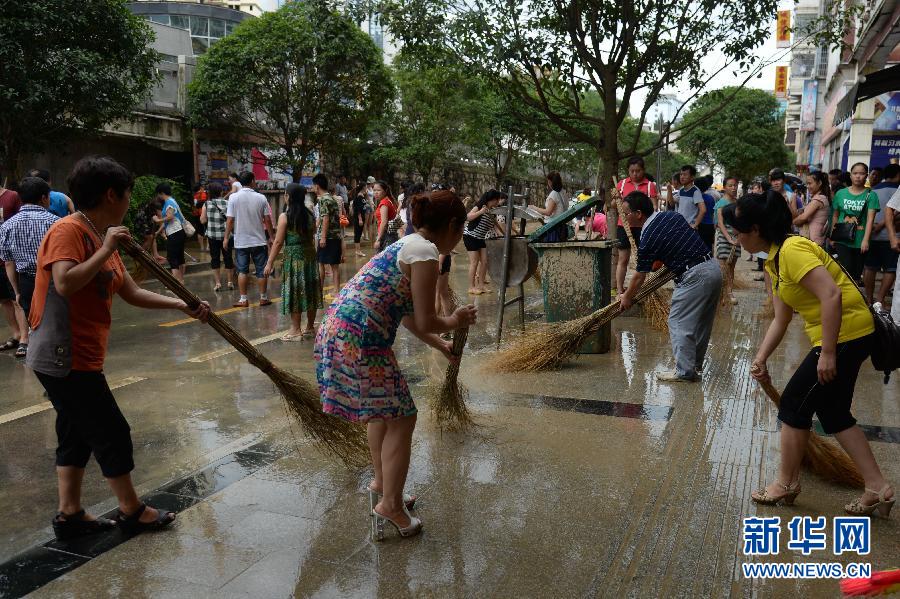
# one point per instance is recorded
(20, 238)
(666, 237)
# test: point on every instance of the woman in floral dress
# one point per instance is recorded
(356, 368)
(301, 290)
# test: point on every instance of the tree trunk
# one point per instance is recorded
(9, 173)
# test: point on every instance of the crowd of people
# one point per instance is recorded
(820, 244)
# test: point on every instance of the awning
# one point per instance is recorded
(870, 86)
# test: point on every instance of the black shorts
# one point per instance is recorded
(880, 257)
(804, 396)
(850, 258)
(175, 249)
(6, 291)
(622, 236)
(26, 291)
(707, 233)
(331, 253)
(218, 254)
(473, 244)
(88, 420)
(446, 263)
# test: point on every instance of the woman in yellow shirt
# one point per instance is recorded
(839, 325)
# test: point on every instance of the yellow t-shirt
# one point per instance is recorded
(797, 257)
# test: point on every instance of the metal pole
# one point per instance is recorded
(504, 276)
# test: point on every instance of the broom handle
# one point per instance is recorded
(617, 198)
(193, 301)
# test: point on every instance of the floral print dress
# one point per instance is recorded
(357, 371)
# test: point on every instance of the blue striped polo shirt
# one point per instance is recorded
(667, 237)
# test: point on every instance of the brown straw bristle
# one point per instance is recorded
(448, 402)
(823, 457)
(345, 440)
(548, 347)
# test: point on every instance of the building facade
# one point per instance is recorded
(206, 22)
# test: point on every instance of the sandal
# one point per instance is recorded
(763, 497)
(882, 505)
(22, 350)
(11, 343)
(296, 337)
(131, 523)
(74, 525)
(217, 288)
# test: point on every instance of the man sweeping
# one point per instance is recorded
(668, 238)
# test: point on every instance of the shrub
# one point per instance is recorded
(145, 191)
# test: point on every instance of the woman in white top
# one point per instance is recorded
(556, 203)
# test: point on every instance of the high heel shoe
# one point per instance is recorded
(882, 507)
(763, 497)
(414, 528)
(408, 500)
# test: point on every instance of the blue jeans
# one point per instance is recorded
(259, 254)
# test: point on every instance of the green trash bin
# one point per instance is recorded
(576, 277)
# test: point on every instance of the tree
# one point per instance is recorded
(303, 78)
(68, 68)
(746, 137)
(550, 53)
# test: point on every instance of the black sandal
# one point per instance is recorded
(70, 526)
(11, 343)
(22, 350)
(131, 523)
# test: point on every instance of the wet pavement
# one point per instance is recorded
(592, 481)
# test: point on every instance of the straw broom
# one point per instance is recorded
(551, 345)
(656, 309)
(823, 457)
(345, 440)
(448, 402)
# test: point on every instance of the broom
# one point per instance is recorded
(551, 345)
(885, 582)
(345, 440)
(822, 457)
(449, 400)
(655, 307)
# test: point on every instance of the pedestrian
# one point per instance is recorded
(370, 209)
(635, 181)
(356, 368)
(145, 229)
(330, 252)
(876, 176)
(20, 237)
(173, 221)
(481, 223)
(201, 196)
(557, 203)
(599, 227)
(728, 251)
(234, 185)
(668, 238)
(839, 326)
(880, 257)
(856, 206)
(671, 199)
(690, 204)
(301, 290)
(835, 180)
(70, 319)
(386, 213)
(777, 183)
(892, 223)
(358, 215)
(814, 218)
(60, 204)
(213, 214)
(340, 189)
(249, 217)
(15, 317)
(707, 228)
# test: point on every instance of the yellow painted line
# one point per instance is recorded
(175, 323)
(230, 350)
(46, 405)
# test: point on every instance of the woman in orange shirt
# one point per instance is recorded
(78, 272)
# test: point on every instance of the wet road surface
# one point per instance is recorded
(592, 481)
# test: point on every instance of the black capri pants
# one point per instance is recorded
(357, 228)
(804, 396)
(175, 249)
(88, 420)
(218, 254)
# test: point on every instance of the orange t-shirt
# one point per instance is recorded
(90, 308)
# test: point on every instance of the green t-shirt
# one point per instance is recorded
(854, 208)
(328, 205)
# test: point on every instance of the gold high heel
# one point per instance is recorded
(762, 497)
(882, 507)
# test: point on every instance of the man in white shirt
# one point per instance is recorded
(249, 217)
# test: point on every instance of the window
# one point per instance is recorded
(168, 58)
(200, 45)
(216, 28)
(180, 21)
(200, 26)
(803, 64)
(229, 27)
(802, 22)
(162, 19)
